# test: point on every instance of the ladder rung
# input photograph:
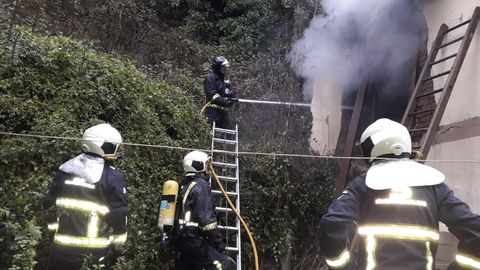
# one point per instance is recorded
(224, 152)
(429, 93)
(227, 131)
(450, 42)
(420, 112)
(416, 130)
(230, 228)
(229, 193)
(232, 249)
(225, 141)
(459, 25)
(228, 178)
(223, 209)
(436, 76)
(444, 59)
(222, 164)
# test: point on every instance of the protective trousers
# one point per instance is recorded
(219, 116)
(199, 254)
(62, 257)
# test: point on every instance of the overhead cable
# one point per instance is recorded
(271, 154)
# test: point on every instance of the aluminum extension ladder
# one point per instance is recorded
(423, 133)
(227, 168)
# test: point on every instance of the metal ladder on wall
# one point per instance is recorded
(225, 162)
(423, 123)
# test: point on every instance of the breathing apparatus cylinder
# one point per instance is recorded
(166, 218)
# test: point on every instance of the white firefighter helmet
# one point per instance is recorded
(386, 138)
(195, 161)
(103, 140)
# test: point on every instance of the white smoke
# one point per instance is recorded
(355, 40)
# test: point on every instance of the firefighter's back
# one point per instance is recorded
(399, 227)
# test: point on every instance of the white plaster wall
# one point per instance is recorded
(327, 117)
(464, 103)
(465, 100)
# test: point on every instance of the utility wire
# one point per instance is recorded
(271, 154)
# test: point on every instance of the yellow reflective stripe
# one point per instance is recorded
(339, 261)
(188, 224)
(77, 181)
(52, 226)
(187, 216)
(218, 107)
(371, 247)
(216, 96)
(186, 195)
(209, 227)
(404, 232)
(401, 196)
(78, 241)
(401, 202)
(429, 257)
(92, 229)
(217, 265)
(186, 221)
(82, 205)
(468, 261)
(91, 242)
(118, 238)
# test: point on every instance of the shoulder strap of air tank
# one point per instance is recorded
(185, 196)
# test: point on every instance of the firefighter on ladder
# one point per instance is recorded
(219, 94)
(397, 206)
(197, 237)
(90, 221)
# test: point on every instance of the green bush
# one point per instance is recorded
(55, 86)
(283, 202)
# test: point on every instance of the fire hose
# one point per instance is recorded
(241, 100)
(244, 225)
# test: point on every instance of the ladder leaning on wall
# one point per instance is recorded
(227, 167)
(423, 123)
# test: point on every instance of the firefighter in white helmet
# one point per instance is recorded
(90, 221)
(396, 208)
(197, 237)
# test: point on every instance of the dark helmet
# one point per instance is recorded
(219, 61)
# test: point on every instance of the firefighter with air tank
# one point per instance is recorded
(396, 208)
(188, 215)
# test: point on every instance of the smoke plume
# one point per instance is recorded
(355, 40)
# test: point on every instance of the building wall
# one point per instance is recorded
(459, 134)
(327, 117)
(461, 140)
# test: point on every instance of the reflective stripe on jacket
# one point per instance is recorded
(398, 227)
(89, 216)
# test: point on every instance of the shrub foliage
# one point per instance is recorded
(53, 85)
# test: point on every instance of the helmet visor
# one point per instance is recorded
(367, 147)
(109, 148)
